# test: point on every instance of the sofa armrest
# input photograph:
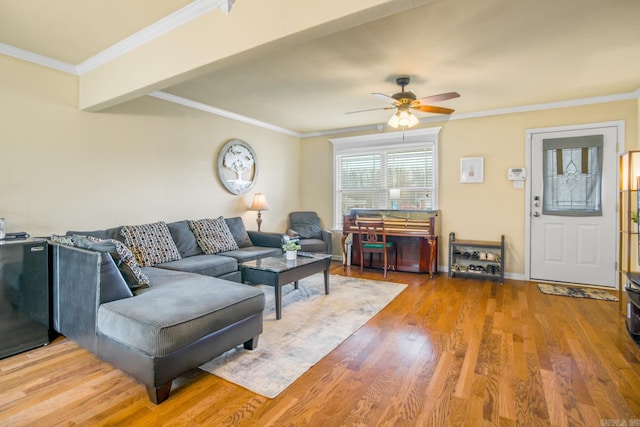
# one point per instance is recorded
(327, 236)
(82, 280)
(267, 239)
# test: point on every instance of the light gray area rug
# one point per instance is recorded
(312, 325)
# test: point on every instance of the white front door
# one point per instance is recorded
(573, 223)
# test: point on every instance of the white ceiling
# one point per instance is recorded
(498, 54)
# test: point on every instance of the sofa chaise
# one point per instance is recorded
(157, 300)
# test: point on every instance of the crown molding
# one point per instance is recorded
(220, 112)
(158, 28)
(227, 5)
(180, 17)
(550, 105)
(339, 131)
(414, 135)
(35, 58)
(497, 112)
(379, 127)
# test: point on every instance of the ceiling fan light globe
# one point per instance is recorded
(394, 120)
(413, 120)
(403, 118)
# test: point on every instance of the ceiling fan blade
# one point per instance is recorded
(370, 109)
(433, 109)
(438, 98)
(385, 98)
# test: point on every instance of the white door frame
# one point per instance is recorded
(619, 124)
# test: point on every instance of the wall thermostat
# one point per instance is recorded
(517, 174)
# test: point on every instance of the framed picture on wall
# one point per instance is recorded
(237, 166)
(471, 170)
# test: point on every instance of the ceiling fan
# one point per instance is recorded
(404, 102)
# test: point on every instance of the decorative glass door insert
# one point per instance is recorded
(572, 176)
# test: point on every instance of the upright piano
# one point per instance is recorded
(414, 232)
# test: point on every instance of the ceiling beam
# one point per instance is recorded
(215, 40)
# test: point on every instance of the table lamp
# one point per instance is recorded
(259, 204)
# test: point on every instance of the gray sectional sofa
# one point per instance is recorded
(156, 321)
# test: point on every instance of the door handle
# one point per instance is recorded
(536, 214)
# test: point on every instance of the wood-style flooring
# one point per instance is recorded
(444, 352)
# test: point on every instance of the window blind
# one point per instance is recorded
(364, 180)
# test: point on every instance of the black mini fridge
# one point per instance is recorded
(25, 303)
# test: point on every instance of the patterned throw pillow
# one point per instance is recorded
(63, 240)
(151, 244)
(126, 263)
(213, 235)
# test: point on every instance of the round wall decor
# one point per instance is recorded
(237, 166)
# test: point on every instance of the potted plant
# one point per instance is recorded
(291, 248)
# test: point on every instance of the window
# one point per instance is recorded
(389, 171)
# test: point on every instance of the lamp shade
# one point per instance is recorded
(259, 203)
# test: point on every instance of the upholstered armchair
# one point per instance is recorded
(306, 228)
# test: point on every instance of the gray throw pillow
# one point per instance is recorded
(122, 256)
(239, 232)
(184, 239)
(307, 228)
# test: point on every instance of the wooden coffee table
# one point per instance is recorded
(278, 271)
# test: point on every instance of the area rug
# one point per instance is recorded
(312, 325)
(569, 291)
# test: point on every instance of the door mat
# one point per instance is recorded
(570, 291)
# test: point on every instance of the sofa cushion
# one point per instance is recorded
(213, 235)
(122, 256)
(151, 244)
(178, 311)
(208, 265)
(239, 232)
(313, 245)
(251, 253)
(184, 239)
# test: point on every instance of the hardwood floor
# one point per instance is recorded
(444, 352)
